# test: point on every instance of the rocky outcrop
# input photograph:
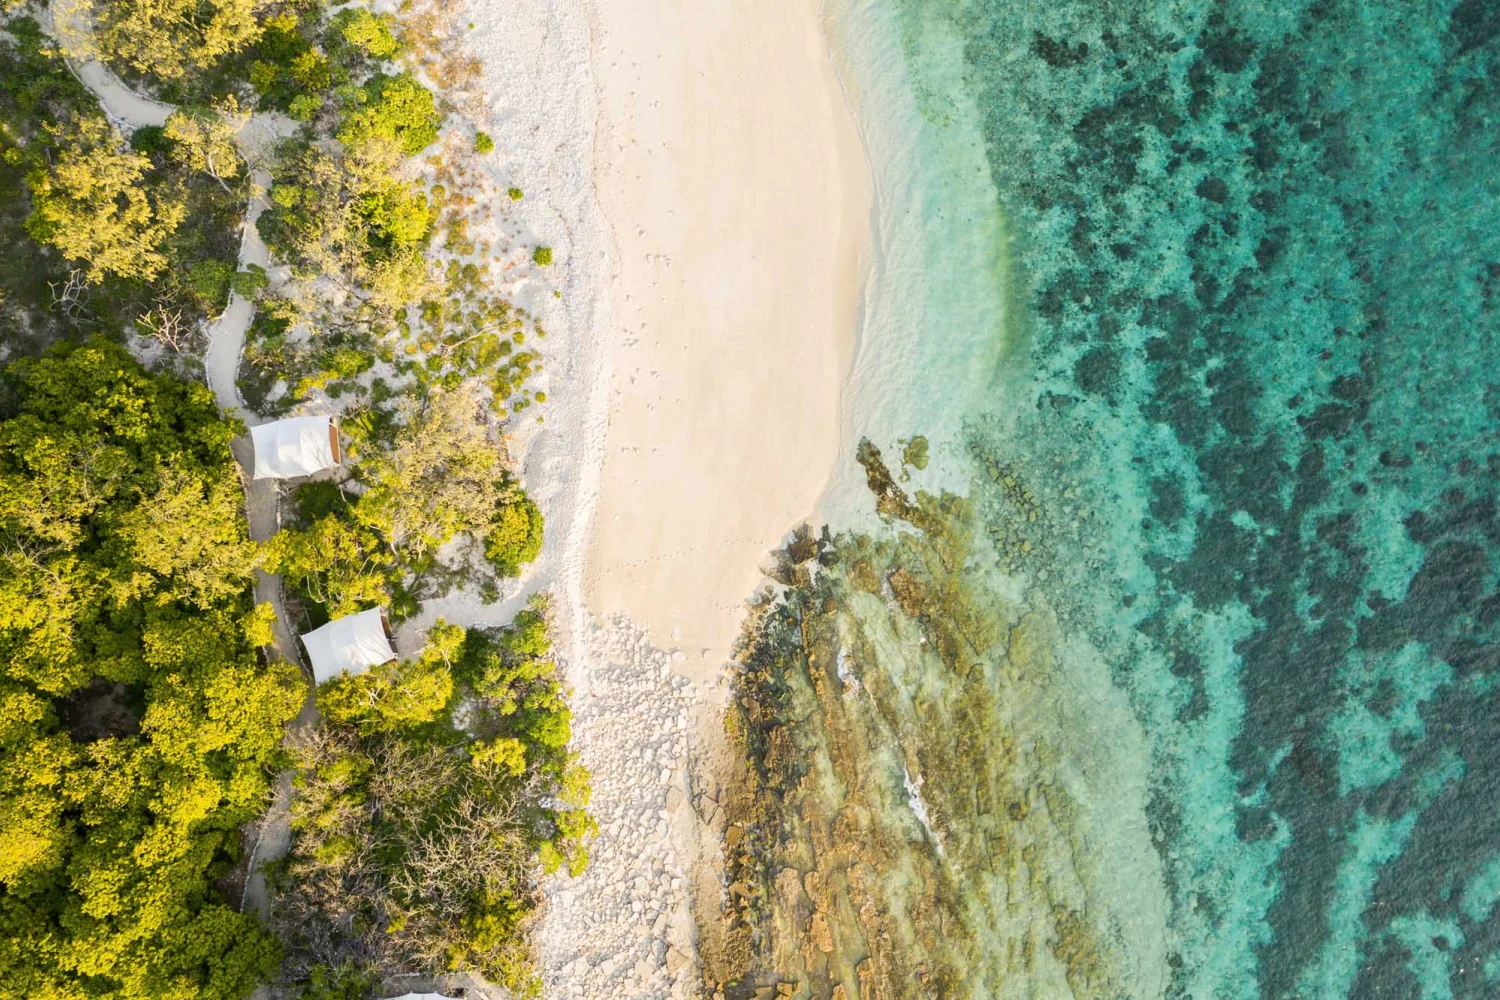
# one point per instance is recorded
(923, 810)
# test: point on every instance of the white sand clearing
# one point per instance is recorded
(731, 174)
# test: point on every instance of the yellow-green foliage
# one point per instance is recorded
(522, 699)
(395, 109)
(397, 214)
(504, 754)
(368, 32)
(400, 694)
(91, 203)
(515, 537)
(287, 70)
(203, 139)
(440, 477)
(168, 38)
(336, 561)
(137, 726)
(343, 212)
(419, 842)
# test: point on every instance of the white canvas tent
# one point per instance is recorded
(296, 446)
(348, 645)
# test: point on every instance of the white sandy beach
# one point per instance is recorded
(699, 178)
(733, 180)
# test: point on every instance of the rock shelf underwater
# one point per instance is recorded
(1191, 692)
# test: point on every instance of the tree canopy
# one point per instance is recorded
(91, 203)
(428, 802)
(137, 726)
(370, 33)
(203, 139)
(168, 38)
(396, 109)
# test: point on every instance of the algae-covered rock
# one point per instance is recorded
(915, 829)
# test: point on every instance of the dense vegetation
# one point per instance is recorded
(144, 233)
(421, 811)
(137, 726)
(439, 477)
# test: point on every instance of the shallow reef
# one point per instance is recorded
(1193, 691)
(929, 765)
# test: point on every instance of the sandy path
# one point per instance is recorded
(730, 171)
(73, 30)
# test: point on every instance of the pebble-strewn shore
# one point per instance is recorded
(625, 928)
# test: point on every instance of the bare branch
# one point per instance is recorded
(70, 298)
(168, 328)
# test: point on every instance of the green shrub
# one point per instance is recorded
(542, 256)
(397, 109)
(286, 71)
(317, 499)
(150, 139)
(365, 31)
(397, 213)
(516, 194)
(483, 143)
(344, 982)
(249, 281)
(304, 107)
(515, 537)
(401, 694)
(209, 280)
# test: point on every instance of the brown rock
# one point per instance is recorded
(821, 936)
(866, 973)
(789, 888)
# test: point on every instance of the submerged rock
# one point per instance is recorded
(1006, 881)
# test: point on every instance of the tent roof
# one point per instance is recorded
(297, 446)
(352, 644)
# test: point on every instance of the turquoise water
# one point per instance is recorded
(1217, 282)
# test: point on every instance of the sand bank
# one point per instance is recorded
(730, 172)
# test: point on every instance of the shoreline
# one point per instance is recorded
(708, 271)
(709, 267)
(934, 334)
(737, 189)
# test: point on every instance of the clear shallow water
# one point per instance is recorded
(1197, 682)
